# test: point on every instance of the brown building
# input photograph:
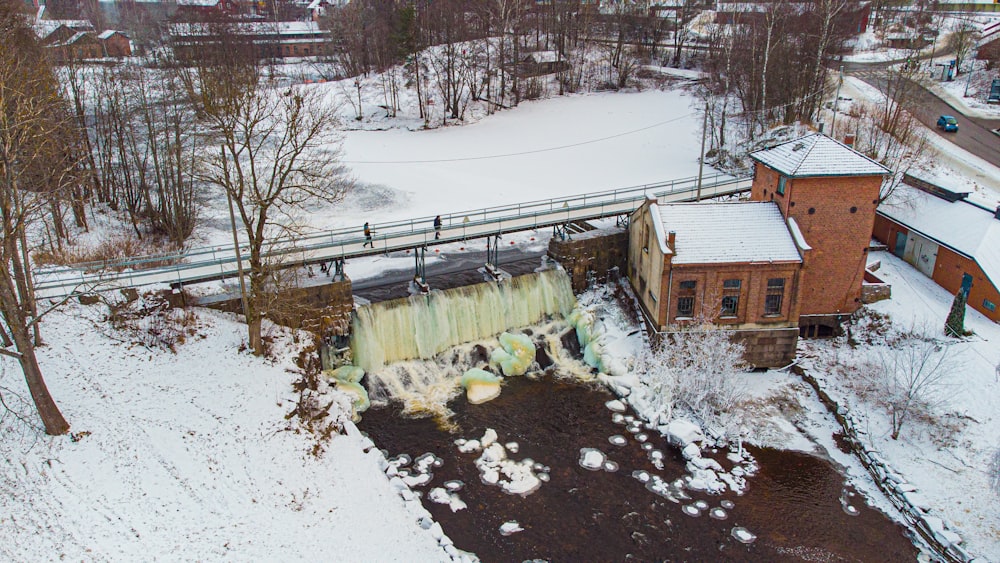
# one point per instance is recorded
(735, 264)
(831, 192)
(82, 45)
(115, 43)
(791, 260)
(947, 238)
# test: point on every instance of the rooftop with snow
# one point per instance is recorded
(817, 155)
(723, 232)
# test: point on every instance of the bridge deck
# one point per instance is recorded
(214, 263)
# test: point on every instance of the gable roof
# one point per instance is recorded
(818, 155)
(961, 226)
(726, 232)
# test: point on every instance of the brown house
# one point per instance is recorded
(831, 192)
(947, 238)
(82, 45)
(115, 43)
(736, 264)
(747, 265)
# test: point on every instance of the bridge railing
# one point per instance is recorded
(219, 261)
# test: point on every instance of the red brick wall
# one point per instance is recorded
(839, 237)
(948, 269)
(709, 292)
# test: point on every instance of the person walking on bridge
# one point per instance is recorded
(437, 227)
(368, 236)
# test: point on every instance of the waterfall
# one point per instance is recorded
(422, 326)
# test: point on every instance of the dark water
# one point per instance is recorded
(793, 504)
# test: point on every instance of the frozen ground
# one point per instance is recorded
(189, 457)
(947, 460)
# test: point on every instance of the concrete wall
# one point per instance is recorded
(322, 309)
(595, 251)
(763, 348)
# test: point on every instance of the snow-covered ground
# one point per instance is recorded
(946, 460)
(188, 456)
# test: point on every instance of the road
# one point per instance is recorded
(975, 135)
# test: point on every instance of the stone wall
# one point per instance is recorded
(598, 251)
(321, 309)
(768, 348)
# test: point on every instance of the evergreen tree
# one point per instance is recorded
(955, 325)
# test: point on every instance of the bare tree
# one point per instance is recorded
(277, 152)
(694, 370)
(35, 130)
(962, 41)
(911, 379)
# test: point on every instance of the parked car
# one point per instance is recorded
(947, 123)
(994, 97)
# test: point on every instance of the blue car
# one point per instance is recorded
(947, 123)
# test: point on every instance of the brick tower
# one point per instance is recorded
(829, 192)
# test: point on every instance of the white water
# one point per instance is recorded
(422, 326)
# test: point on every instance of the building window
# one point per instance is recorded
(730, 298)
(989, 305)
(775, 295)
(685, 298)
(685, 306)
(781, 185)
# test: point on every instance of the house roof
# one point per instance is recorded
(106, 34)
(726, 232)
(818, 155)
(961, 226)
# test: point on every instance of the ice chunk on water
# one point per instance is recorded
(615, 406)
(516, 355)
(489, 438)
(682, 432)
(617, 418)
(618, 440)
(454, 486)
(512, 447)
(592, 459)
(510, 527)
(718, 514)
(743, 535)
(480, 386)
(727, 504)
(691, 510)
(610, 466)
(702, 505)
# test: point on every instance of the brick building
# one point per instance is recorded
(831, 192)
(115, 43)
(735, 264)
(790, 261)
(946, 237)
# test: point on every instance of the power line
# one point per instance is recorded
(581, 143)
(521, 153)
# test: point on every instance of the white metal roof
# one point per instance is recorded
(962, 226)
(818, 155)
(727, 232)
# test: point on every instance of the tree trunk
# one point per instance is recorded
(52, 419)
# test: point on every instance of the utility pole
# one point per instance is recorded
(972, 67)
(836, 102)
(701, 160)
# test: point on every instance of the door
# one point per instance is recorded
(900, 244)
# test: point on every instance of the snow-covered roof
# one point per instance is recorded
(818, 155)
(107, 34)
(962, 226)
(43, 28)
(282, 28)
(727, 232)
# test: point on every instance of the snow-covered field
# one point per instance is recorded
(188, 456)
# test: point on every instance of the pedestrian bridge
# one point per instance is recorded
(334, 247)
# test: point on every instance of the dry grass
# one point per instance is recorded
(109, 253)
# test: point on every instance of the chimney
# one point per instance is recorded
(671, 237)
(849, 140)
